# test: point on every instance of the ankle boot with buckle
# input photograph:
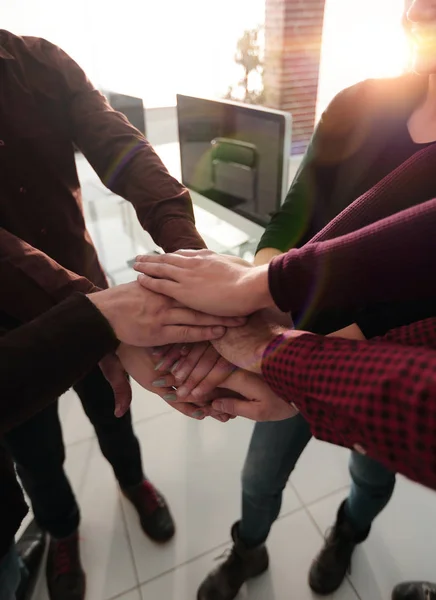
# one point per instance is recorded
(330, 567)
(241, 564)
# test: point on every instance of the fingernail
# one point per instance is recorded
(159, 365)
(218, 405)
(198, 414)
(170, 398)
(156, 352)
(174, 367)
(182, 392)
(159, 383)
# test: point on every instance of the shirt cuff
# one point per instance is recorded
(280, 363)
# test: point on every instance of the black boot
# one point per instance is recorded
(30, 548)
(241, 564)
(329, 568)
(415, 590)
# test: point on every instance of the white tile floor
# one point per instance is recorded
(197, 466)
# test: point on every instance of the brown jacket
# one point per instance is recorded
(47, 107)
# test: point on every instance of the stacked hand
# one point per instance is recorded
(206, 361)
(228, 286)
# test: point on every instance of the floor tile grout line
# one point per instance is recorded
(318, 528)
(129, 591)
(206, 552)
(303, 507)
(135, 422)
(129, 541)
(321, 498)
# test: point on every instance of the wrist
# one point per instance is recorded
(104, 305)
(258, 288)
(265, 256)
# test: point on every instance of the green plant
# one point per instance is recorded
(249, 56)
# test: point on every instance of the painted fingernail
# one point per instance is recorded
(182, 392)
(159, 383)
(170, 398)
(159, 365)
(198, 414)
(174, 367)
(156, 351)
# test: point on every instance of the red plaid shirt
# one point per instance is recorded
(377, 397)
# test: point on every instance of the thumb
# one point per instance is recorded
(237, 408)
(116, 376)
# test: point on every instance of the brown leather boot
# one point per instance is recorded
(415, 590)
(65, 576)
(241, 564)
(329, 568)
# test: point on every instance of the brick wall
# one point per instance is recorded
(293, 33)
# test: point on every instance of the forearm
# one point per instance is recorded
(388, 261)
(360, 392)
(32, 281)
(42, 359)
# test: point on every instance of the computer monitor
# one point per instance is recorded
(235, 154)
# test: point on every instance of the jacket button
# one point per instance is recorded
(360, 449)
(23, 190)
(43, 231)
(2, 143)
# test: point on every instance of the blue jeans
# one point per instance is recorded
(10, 574)
(273, 453)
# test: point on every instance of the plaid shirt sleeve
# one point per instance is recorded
(377, 397)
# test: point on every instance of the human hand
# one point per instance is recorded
(116, 375)
(260, 403)
(246, 346)
(352, 332)
(141, 317)
(197, 369)
(205, 281)
(138, 362)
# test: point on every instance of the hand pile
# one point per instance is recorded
(186, 335)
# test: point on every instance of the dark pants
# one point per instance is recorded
(273, 453)
(38, 450)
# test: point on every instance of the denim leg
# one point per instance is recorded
(9, 574)
(274, 450)
(371, 490)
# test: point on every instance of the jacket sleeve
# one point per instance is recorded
(32, 282)
(389, 261)
(295, 222)
(40, 360)
(123, 159)
(377, 396)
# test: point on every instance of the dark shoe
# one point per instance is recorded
(30, 548)
(154, 514)
(415, 590)
(241, 564)
(329, 568)
(65, 576)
